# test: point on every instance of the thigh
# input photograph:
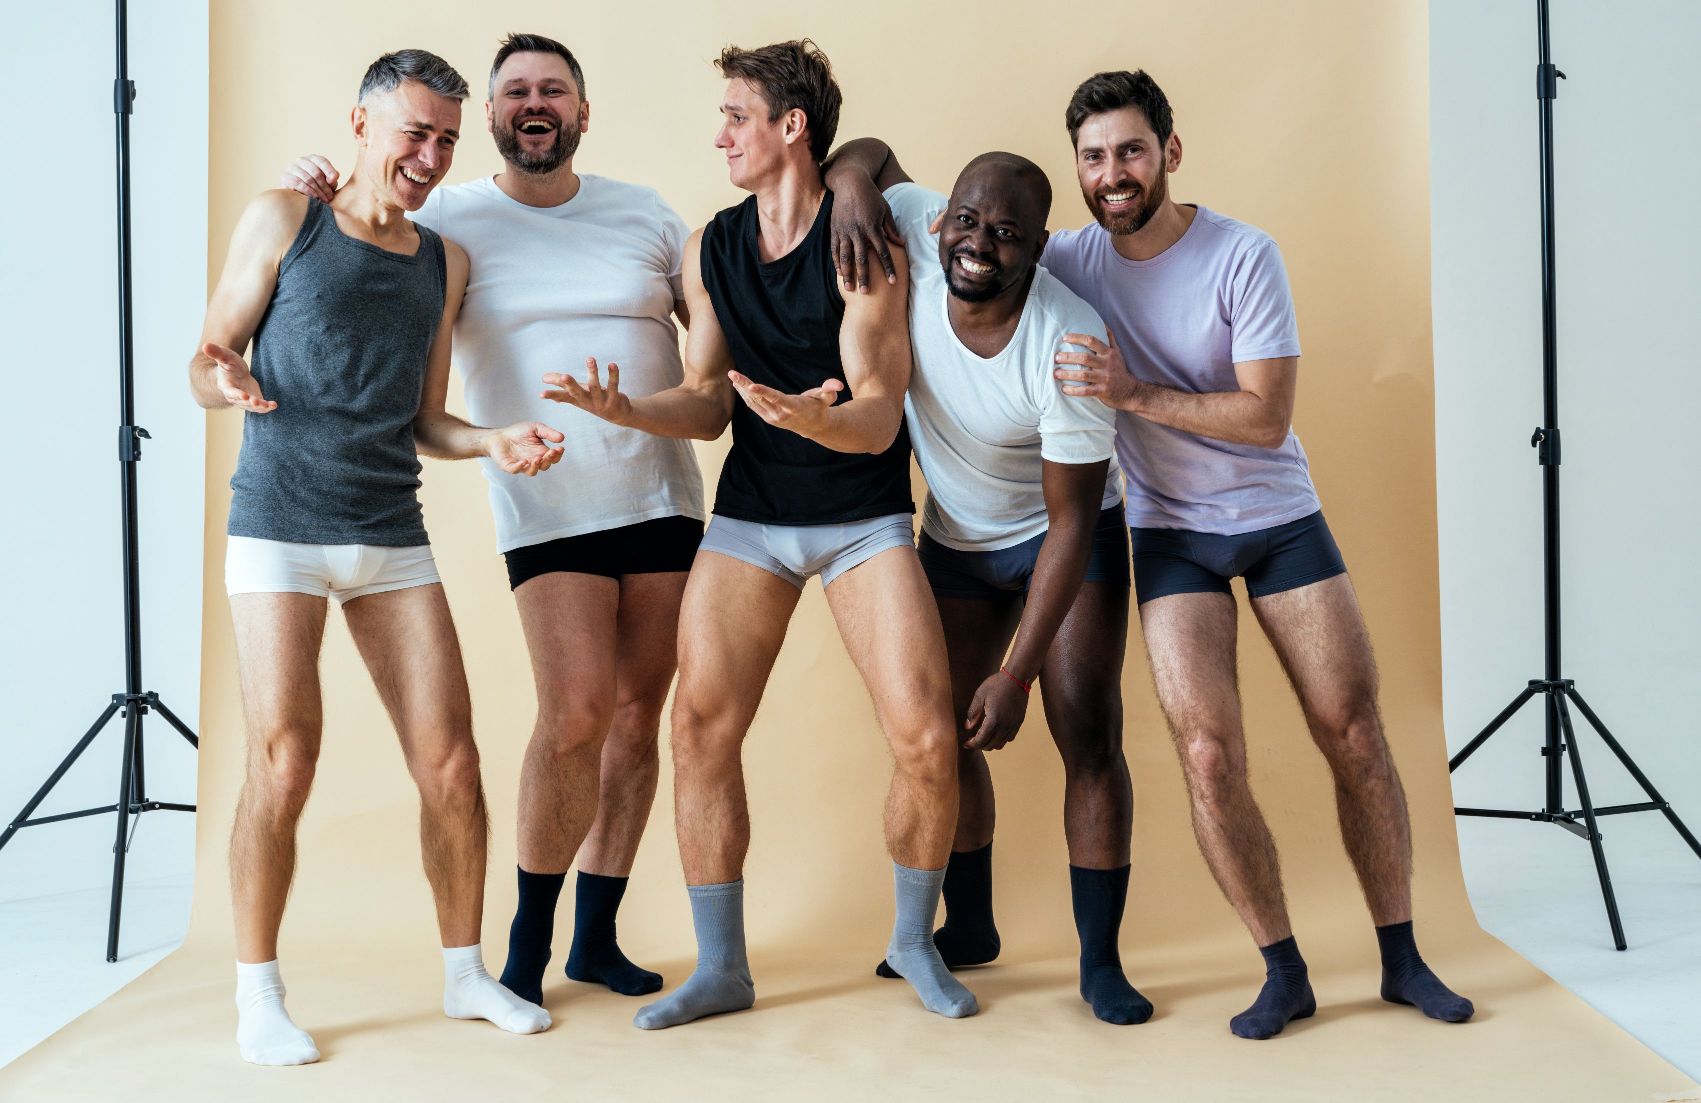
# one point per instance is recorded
(407, 639)
(1167, 563)
(278, 637)
(978, 631)
(1081, 682)
(647, 635)
(890, 624)
(569, 621)
(732, 621)
(1320, 636)
(1191, 641)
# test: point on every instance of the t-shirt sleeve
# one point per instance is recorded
(1073, 429)
(1261, 315)
(430, 213)
(1059, 255)
(913, 209)
(674, 235)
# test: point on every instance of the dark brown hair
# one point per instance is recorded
(791, 74)
(1103, 92)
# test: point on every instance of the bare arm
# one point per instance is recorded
(858, 172)
(699, 408)
(874, 347)
(1259, 413)
(1074, 496)
(218, 375)
(522, 448)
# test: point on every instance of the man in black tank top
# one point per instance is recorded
(817, 482)
(350, 308)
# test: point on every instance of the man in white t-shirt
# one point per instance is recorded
(567, 267)
(1022, 536)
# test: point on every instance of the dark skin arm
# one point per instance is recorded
(1074, 495)
(863, 231)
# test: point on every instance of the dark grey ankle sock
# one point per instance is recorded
(1407, 979)
(530, 934)
(1098, 896)
(596, 956)
(1286, 994)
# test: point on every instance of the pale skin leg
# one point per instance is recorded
(1320, 637)
(1191, 641)
(408, 641)
(278, 637)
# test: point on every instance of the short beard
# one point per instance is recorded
(1134, 221)
(982, 295)
(543, 162)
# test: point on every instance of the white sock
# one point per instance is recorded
(471, 993)
(264, 1032)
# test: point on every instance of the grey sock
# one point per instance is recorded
(721, 981)
(911, 953)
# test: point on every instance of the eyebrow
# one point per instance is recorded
(414, 124)
(512, 81)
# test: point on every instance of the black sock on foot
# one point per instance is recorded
(1099, 896)
(596, 956)
(1286, 994)
(529, 935)
(969, 936)
(1406, 979)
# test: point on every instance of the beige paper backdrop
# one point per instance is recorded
(1308, 120)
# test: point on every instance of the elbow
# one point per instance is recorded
(1274, 435)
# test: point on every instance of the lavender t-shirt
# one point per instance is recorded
(1183, 319)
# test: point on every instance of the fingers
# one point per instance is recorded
(225, 358)
(889, 236)
(842, 260)
(860, 249)
(613, 378)
(570, 391)
(937, 224)
(1090, 359)
(1078, 375)
(545, 432)
(326, 169)
(1086, 341)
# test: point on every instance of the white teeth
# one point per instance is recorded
(1118, 197)
(415, 179)
(537, 126)
(974, 267)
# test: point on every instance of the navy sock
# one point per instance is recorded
(968, 936)
(529, 935)
(1286, 994)
(595, 955)
(1406, 979)
(1099, 896)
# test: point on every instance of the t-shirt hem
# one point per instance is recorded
(601, 524)
(888, 509)
(411, 539)
(1238, 528)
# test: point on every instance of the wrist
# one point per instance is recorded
(1026, 684)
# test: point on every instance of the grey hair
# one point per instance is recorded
(389, 71)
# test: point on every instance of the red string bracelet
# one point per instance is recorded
(1027, 687)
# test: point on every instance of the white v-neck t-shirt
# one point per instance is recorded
(983, 427)
(596, 276)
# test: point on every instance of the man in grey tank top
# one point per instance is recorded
(350, 309)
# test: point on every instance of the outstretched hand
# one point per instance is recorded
(995, 713)
(235, 382)
(804, 414)
(312, 176)
(525, 447)
(591, 396)
(1099, 372)
(863, 234)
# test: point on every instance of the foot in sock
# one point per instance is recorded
(471, 993)
(265, 1034)
(911, 953)
(1407, 979)
(721, 982)
(530, 934)
(1286, 994)
(969, 936)
(596, 956)
(1098, 897)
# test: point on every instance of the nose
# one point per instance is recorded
(722, 139)
(429, 156)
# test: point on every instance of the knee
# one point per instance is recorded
(1353, 742)
(1089, 736)
(281, 773)
(573, 726)
(705, 735)
(633, 736)
(1215, 766)
(929, 755)
(449, 775)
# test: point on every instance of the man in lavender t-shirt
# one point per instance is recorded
(1202, 366)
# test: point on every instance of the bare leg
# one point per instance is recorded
(277, 648)
(1320, 636)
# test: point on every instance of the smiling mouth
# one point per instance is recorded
(536, 126)
(414, 177)
(973, 267)
(1118, 198)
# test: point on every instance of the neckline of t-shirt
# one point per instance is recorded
(1015, 334)
(404, 258)
(1200, 211)
(822, 214)
(585, 180)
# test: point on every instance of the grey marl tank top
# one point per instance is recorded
(342, 351)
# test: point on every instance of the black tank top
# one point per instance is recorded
(781, 321)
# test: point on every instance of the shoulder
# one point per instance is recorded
(1234, 236)
(1067, 248)
(277, 209)
(1063, 310)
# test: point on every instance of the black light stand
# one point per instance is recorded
(1558, 692)
(134, 702)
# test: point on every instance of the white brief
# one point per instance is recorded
(342, 571)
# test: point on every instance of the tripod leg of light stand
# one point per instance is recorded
(171, 718)
(53, 779)
(132, 735)
(1493, 726)
(1589, 819)
(1641, 778)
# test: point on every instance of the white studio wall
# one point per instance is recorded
(1627, 240)
(62, 642)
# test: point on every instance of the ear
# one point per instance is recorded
(1172, 152)
(795, 126)
(490, 116)
(584, 116)
(357, 120)
(1039, 246)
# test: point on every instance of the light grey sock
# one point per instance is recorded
(911, 953)
(721, 981)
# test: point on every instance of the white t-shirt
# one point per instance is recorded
(983, 427)
(549, 286)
